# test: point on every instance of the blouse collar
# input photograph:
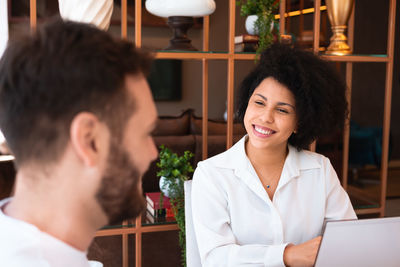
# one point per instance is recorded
(296, 161)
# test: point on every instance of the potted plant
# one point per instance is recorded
(174, 171)
(264, 20)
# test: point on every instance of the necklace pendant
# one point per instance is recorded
(268, 186)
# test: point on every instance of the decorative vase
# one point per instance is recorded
(180, 15)
(339, 12)
(249, 25)
(95, 12)
(164, 187)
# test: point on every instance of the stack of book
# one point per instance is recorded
(246, 43)
(157, 210)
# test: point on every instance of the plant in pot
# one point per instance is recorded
(260, 19)
(174, 171)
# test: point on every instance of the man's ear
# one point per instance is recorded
(88, 137)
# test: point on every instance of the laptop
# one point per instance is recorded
(366, 243)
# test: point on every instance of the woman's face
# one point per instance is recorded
(270, 116)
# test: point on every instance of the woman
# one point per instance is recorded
(264, 201)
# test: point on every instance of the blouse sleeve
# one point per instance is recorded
(216, 241)
(338, 205)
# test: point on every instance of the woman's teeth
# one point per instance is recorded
(263, 131)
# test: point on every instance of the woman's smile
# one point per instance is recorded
(262, 132)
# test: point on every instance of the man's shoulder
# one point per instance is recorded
(23, 244)
(18, 247)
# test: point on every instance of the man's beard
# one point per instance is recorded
(120, 194)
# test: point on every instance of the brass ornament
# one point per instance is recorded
(339, 12)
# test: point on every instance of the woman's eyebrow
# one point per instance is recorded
(279, 103)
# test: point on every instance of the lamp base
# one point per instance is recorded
(180, 25)
(338, 45)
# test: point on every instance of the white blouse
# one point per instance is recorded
(237, 224)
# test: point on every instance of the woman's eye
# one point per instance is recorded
(281, 110)
(260, 103)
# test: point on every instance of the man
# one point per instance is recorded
(77, 114)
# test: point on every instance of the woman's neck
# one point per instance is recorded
(266, 156)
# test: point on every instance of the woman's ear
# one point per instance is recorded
(88, 136)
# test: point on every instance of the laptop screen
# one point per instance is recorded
(367, 242)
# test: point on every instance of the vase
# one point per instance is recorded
(249, 25)
(165, 188)
(251, 28)
(339, 12)
(95, 12)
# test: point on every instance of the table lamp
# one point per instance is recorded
(180, 15)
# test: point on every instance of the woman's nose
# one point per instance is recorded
(268, 115)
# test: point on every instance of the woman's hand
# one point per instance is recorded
(303, 254)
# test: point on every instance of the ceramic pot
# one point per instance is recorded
(95, 12)
(249, 25)
(165, 188)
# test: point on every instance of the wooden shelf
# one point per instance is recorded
(204, 55)
(251, 56)
(191, 55)
(133, 229)
(356, 58)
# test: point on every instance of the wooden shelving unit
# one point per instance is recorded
(230, 57)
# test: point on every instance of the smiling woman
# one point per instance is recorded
(270, 117)
(264, 201)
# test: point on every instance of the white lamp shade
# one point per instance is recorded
(97, 12)
(188, 8)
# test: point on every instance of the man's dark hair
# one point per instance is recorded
(319, 91)
(48, 77)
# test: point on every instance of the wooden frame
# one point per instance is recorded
(230, 56)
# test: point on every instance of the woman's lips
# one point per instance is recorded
(262, 132)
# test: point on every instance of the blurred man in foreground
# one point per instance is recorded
(77, 114)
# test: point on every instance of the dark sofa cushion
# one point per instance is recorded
(170, 125)
(214, 127)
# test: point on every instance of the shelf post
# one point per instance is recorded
(231, 67)
(317, 20)
(346, 129)
(282, 10)
(138, 23)
(33, 15)
(124, 19)
(387, 104)
(206, 38)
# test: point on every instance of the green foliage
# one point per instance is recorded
(176, 169)
(265, 18)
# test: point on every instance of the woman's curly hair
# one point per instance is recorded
(320, 93)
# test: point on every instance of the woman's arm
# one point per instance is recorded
(302, 255)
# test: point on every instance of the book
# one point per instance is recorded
(246, 38)
(151, 219)
(167, 212)
(153, 199)
(155, 208)
(246, 47)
